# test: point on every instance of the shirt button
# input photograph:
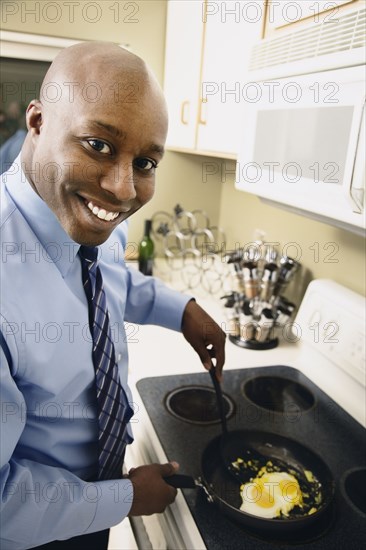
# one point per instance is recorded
(119, 357)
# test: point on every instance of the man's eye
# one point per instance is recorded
(145, 164)
(100, 146)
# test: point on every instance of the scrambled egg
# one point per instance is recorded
(271, 494)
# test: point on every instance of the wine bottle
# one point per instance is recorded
(146, 251)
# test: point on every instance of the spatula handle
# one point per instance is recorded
(219, 399)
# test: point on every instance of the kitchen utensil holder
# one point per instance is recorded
(257, 308)
(256, 331)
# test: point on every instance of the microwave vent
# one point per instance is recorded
(344, 34)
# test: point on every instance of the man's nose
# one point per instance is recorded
(120, 181)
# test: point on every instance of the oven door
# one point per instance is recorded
(299, 144)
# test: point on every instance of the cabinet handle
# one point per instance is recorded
(183, 107)
(202, 120)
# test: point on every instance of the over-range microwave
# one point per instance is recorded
(302, 144)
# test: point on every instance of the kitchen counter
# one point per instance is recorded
(168, 352)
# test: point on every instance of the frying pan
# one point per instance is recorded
(222, 488)
(229, 449)
(221, 480)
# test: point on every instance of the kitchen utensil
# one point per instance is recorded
(287, 270)
(268, 281)
(224, 490)
(219, 399)
(235, 257)
(250, 276)
(265, 325)
(273, 448)
(225, 441)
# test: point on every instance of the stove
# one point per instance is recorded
(317, 400)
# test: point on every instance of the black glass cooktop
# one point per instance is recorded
(275, 399)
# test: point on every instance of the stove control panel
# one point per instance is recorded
(331, 319)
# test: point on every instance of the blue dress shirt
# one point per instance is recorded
(49, 423)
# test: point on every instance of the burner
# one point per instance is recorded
(197, 405)
(278, 394)
(354, 485)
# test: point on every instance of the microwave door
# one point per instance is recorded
(300, 150)
(301, 153)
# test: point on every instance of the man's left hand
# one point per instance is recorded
(205, 336)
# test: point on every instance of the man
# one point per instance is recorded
(88, 163)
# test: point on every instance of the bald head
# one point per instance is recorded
(80, 55)
(98, 72)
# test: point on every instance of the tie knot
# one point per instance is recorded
(88, 253)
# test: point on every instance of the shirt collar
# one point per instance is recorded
(57, 244)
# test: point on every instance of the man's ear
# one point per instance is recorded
(34, 116)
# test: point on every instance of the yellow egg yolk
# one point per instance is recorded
(271, 495)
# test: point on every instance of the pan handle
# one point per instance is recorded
(181, 481)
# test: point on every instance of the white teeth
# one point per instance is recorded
(101, 213)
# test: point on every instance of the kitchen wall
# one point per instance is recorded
(141, 24)
(323, 250)
(138, 23)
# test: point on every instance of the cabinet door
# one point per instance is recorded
(182, 70)
(229, 36)
(286, 16)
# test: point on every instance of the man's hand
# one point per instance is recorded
(151, 494)
(205, 336)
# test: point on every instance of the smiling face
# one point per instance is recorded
(92, 154)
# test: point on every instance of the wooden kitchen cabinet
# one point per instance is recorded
(227, 48)
(281, 17)
(182, 71)
(208, 46)
(207, 52)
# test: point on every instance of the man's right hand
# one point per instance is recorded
(151, 494)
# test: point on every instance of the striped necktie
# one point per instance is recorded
(114, 411)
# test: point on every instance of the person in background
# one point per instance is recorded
(14, 127)
(87, 164)
(4, 133)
